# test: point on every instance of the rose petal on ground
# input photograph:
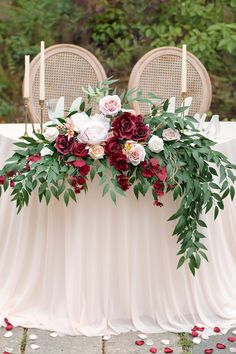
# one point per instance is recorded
(201, 329)
(34, 346)
(216, 329)
(165, 341)
(220, 346)
(139, 342)
(168, 350)
(197, 340)
(53, 334)
(232, 350)
(231, 339)
(5, 353)
(234, 332)
(224, 330)
(208, 351)
(153, 350)
(149, 342)
(33, 336)
(6, 320)
(8, 334)
(194, 334)
(106, 337)
(9, 350)
(9, 327)
(142, 336)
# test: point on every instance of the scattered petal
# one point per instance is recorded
(53, 334)
(168, 350)
(149, 342)
(34, 346)
(220, 346)
(194, 328)
(197, 340)
(6, 320)
(194, 334)
(9, 327)
(8, 334)
(204, 336)
(5, 353)
(142, 336)
(232, 350)
(9, 350)
(234, 332)
(106, 337)
(231, 339)
(208, 351)
(33, 336)
(153, 350)
(61, 334)
(224, 330)
(139, 342)
(200, 329)
(165, 341)
(216, 329)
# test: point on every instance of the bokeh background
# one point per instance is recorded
(119, 32)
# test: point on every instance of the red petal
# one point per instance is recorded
(6, 320)
(220, 346)
(231, 339)
(216, 329)
(139, 342)
(194, 334)
(9, 327)
(153, 350)
(5, 353)
(168, 350)
(208, 351)
(195, 328)
(201, 329)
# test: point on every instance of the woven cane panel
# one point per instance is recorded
(65, 75)
(162, 76)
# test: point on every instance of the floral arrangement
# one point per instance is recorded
(160, 151)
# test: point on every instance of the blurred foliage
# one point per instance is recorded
(119, 32)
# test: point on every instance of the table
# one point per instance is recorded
(93, 268)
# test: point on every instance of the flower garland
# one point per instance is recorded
(161, 151)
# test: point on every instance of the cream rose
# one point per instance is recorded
(96, 152)
(51, 134)
(135, 153)
(94, 130)
(46, 151)
(78, 119)
(110, 105)
(156, 144)
(170, 134)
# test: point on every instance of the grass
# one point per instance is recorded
(185, 343)
(23, 341)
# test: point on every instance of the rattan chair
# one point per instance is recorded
(159, 71)
(68, 68)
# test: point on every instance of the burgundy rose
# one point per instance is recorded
(77, 190)
(81, 180)
(31, 159)
(123, 182)
(124, 126)
(84, 170)
(78, 163)
(10, 173)
(112, 146)
(63, 144)
(79, 150)
(2, 179)
(73, 180)
(162, 175)
(141, 132)
(157, 203)
(158, 188)
(12, 183)
(119, 161)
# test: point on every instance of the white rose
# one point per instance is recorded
(96, 152)
(78, 120)
(110, 105)
(170, 134)
(51, 134)
(46, 151)
(136, 154)
(156, 144)
(94, 130)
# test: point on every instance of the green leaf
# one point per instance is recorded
(82, 106)
(113, 196)
(72, 194)
(181, 262)
(48, 196)
(216, 212)
(202, 223)
(102, 180)
(105, 189)
(66, 198)
(232, 192)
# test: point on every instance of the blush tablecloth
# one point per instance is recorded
(93, 268)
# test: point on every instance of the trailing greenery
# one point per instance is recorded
(186, 343)
(119, 32)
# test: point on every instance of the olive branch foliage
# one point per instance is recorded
(199, 176)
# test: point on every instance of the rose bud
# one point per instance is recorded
(77, 190)
(208, 351)
(220, 346)
(12, 183)
(216, 329)
(139, 342)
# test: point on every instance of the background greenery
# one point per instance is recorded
(119, 32)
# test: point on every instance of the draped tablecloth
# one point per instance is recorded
(94, 268)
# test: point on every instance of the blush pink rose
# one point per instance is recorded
(170, 134)
(110, 105)
(96, 152)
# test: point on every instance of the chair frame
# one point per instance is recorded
(174, 51)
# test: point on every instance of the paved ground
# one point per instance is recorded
(22, 342)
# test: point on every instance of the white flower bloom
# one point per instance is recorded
(156, 144)
(135, 154)
(46, 151)
(94, 130)
(110, 105)
(51, 134)
(79, 119)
